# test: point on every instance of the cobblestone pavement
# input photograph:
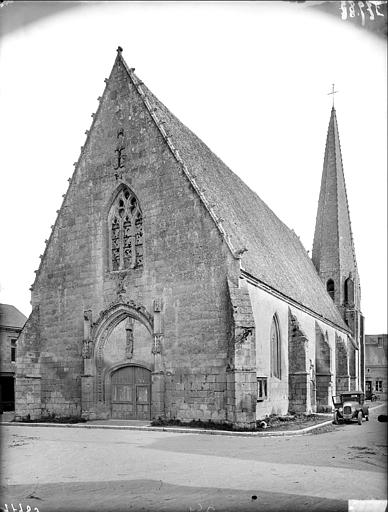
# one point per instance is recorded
(75, 469)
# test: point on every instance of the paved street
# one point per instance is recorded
(74, 469)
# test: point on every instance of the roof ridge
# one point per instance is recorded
(169, 140)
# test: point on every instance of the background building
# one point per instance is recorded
(376, 348)
(11, 324)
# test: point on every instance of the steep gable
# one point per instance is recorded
(274, 253)
(269, 250)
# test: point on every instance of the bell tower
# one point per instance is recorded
(333, 252)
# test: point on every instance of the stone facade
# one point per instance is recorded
(142, 306)
(184, 341)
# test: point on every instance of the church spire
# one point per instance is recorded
(333, 250)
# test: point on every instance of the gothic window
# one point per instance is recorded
(275, 349)
(330, 288)
(349, 291)
(125, 232)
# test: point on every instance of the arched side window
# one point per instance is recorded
(125, 232)
(275, 348)
(349, 291)
(330, 288)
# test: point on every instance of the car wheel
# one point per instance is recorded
(335, 419)
(359, 417)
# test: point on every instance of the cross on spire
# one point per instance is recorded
(332, 92)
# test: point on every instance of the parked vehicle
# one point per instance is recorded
(369, 395)
(350, 406)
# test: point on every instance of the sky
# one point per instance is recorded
(251, 79)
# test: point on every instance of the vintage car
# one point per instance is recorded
(349, 406)
(369, 395)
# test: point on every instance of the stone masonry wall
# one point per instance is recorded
(323, 369)
(186, 264)
(242, 377)
(342, 365)
(28, 398)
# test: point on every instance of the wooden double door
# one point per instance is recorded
(131, 393)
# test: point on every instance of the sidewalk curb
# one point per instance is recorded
(179, 430)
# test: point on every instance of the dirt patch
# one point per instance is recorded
(268, 424)
(291, 422)
(20, 440)
(52, 419)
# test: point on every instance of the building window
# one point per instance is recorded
(349, 291)
(380, 342)
(125, 232)
(330, 288)
(261, 388)
(379, 385)
(275, 349)
(13, 350)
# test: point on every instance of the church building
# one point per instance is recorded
(169, 289)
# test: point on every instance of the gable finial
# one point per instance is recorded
(332, 92)
(119, 49)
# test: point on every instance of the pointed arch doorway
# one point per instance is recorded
(131, 393)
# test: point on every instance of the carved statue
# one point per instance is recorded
(120, 148)
(157, 305)
(87, 349)
(129, 339)
(87, 346)
(157, 348)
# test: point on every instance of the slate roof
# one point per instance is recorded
(274, 254)
(11, 316)
(333, 231)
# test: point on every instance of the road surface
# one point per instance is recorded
(78, 469)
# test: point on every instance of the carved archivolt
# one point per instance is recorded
(105, 324)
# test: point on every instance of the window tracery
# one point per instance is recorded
(125, 232)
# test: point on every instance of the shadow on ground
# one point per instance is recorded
(151, 495)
